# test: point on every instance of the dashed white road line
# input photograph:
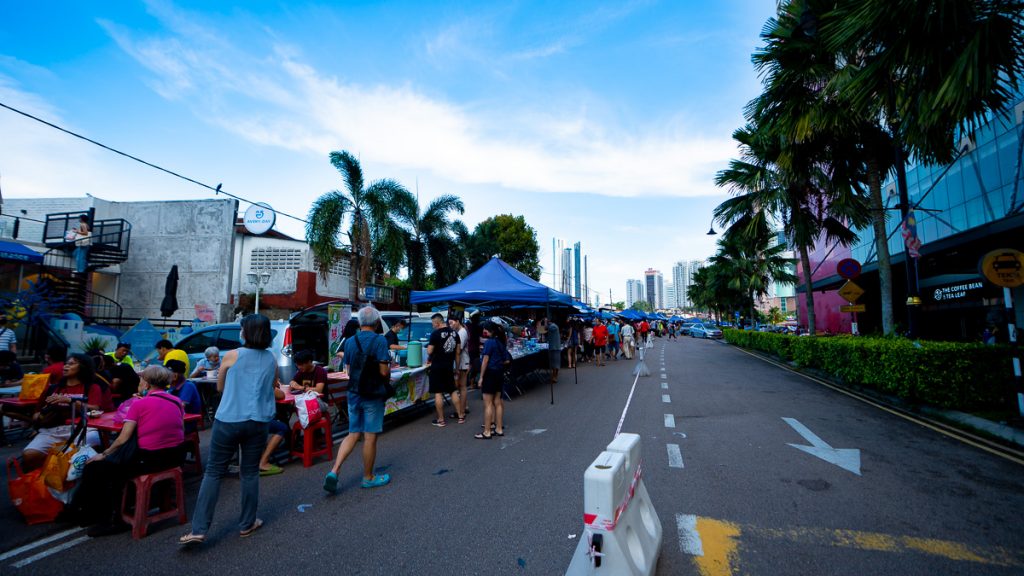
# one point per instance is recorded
(664, 385)
(675, 456)
(670, 421)
(51, 551)
(664, 376)
(666, 398)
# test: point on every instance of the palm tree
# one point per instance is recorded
(429, 237)
(752, 264)
(924, 73)
(803, 187)
(372, 233)
(801, 102)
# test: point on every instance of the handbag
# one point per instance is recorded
(70, 235)
(58, 459)
(30, 495)
(307, 405)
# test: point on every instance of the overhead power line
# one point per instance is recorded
(215, 189)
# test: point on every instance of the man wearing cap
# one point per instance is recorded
(167, 352)
(122, 354)
(184, 389)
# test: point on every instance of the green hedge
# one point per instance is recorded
(945, 374)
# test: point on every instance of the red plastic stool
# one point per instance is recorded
(140, 519)
(192, 447)
(309, 435)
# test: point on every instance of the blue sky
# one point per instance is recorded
(602, 123)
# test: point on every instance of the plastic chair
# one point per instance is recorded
(139, 518)
(309, 449)
(192, 447)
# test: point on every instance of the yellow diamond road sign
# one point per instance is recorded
(851, 292)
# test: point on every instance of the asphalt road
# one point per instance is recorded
(737, 499)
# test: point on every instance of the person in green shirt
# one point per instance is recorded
(122, 354)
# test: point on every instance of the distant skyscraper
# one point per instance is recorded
(655, 288)
(681, 283)
(634, 292)
(577, 272)
(670, 296)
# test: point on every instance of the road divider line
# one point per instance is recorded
(666, 398)
(675, 456)
(22, 549)
(50, 552)
(664, 385)
(670, 421)
(626, 408)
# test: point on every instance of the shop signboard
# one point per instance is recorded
(1003, 267)
(259, 218)
(853, 308)
(960, 291)
(337, 316)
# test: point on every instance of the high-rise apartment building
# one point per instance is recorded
(634, 292)
(670, 296)
(655, 288)
(577, 255)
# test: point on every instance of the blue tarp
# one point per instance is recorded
(495, 281)
(632, 314)
(18, 253)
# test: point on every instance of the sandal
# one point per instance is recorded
(462, 420)
(496, 433)
(190, 539)
(377, 481)
(249, 531)
(482, 436)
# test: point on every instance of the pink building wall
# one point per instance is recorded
(827, 317)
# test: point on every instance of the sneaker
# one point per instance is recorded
(331, 482)
(377, 481)
(439, 423)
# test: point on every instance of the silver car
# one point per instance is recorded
(228, 337)
(705, 331)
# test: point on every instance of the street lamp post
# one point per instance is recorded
(259, 278)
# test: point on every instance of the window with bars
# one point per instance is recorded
(276, 259)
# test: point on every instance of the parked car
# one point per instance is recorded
(685, 328)
(705, 331)
(227, 336)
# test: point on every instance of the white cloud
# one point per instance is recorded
(278, 99)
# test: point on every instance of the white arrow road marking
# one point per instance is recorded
(512, 440)
(845, 458)
(670, 421)
(675, 456)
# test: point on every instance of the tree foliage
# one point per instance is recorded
(508, 237)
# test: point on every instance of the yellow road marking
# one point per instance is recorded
(720, 540)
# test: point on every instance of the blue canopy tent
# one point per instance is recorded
(496, 283)
(632, 314)
(12, 251)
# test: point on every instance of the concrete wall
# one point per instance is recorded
(195, 235)
(284, 279)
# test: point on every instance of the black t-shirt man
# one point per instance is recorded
(443, 344)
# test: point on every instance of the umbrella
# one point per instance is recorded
(170, 304)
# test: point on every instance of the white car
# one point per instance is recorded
(705, 331)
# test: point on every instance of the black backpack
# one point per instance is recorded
(372, 385)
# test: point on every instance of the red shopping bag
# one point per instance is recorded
(307, 405)
(30, 495)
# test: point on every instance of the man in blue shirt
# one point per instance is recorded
(184, 389)
(365, 415)
(613, 339)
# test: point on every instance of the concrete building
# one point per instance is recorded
(634, 292)
(655, 288)
(670, 296)
(199, 236)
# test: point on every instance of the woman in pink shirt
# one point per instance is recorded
(155, 422)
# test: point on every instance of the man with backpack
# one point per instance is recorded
(366, 351)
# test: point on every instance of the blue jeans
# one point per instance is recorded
(228, 437)
(81, 258)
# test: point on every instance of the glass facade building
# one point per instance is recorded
(964, 210)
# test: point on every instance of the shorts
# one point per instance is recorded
(365, 415)
(493, 382)
(464, 363)
(442, 381)
(47, 437)
(277, 428)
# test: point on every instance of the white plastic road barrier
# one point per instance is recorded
(622, 531)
